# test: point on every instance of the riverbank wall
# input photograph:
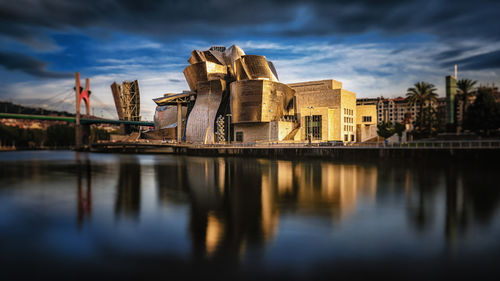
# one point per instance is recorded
(297, 152)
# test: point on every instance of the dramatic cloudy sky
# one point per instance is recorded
(374, 47)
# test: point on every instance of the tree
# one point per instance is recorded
(483, 116)
(60, 135)
(399, 128)
(385, 130)
(465, 87)
(429, 120)
(420, 94)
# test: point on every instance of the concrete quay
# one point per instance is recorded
(442, 150)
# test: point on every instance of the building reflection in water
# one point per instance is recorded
(235, 203)
(470, 194)
(128, 190)
(322, 187)
(84, 192)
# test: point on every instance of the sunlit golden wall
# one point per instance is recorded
(366, 130)
(329, 100)
(259, 100)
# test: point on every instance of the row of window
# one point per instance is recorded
(367, 119)
(390, 119)
(348, 128)
(348, 120)
(413, 109)
(346, 137)
(393, 105)
(348, 111)
(396, 114)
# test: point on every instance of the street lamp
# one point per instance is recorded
(269, 129)
(229, 127)
(309, 127)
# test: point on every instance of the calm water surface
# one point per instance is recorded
(66, 215)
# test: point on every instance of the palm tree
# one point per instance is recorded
(465, 87)
(421, 93)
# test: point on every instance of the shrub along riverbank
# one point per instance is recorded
(55, 136)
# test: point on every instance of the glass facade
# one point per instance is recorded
(313, 128)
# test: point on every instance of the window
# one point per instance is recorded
(239, 136)
(367, 119)
(346, 137)
(352, 137)
(313, 128)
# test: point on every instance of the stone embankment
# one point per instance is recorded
(448, 150)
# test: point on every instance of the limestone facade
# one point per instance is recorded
(366, 122)
(331, 108)
(274, 131)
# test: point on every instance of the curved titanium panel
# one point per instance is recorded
(232, 54)
(210, 56)
(259, 100)
(246, 101)
(253, 67)
(214, 56)
(196, 57)
(200, 124)
(166, 116)
(273, 69)
(203, 71)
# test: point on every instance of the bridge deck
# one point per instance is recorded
(72, 119)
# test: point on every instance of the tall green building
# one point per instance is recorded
(451, 91)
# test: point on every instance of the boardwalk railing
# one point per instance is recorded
(466, 144)
(471, 144)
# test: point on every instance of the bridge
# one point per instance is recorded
(82, 122)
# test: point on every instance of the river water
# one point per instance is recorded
(81, 216)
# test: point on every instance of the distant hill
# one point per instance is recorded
(8, 107)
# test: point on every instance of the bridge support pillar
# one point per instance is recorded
(82, 133)
(78, 133)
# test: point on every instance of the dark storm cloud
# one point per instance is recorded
(450, 22)
(483, 61)
(451, 54)
(443, 18)
(27, 64)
